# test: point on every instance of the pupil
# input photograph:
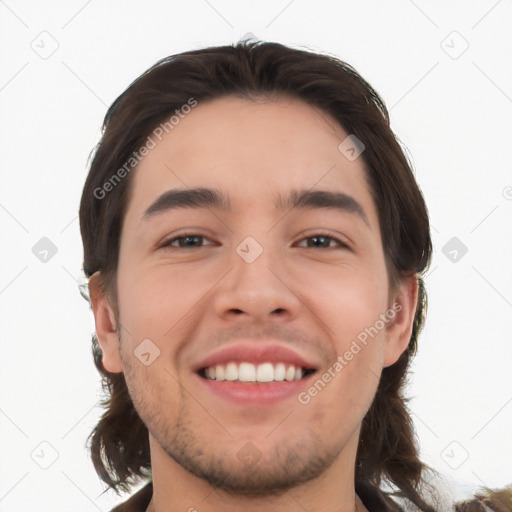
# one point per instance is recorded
(189, 240)
(321, 238)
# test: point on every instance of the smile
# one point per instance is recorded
(249, 372)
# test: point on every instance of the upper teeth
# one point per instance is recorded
(248, 372)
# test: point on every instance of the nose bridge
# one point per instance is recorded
(255, 263)
(257, 284)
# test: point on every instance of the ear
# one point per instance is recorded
(104, 319)
(399, 328)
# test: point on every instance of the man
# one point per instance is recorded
(255, 240)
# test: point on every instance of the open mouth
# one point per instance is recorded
(255, 373)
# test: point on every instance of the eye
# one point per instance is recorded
(191, 241)
(321, 240)
(186, 241)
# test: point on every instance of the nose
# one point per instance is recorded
(256, 288)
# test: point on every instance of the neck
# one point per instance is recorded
(175, 489)
(357, 507)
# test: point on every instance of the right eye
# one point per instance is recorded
(186, 241)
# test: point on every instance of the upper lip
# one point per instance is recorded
(256, 353)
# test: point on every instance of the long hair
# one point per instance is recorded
(387, 449)
(496, 500)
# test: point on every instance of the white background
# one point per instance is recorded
(453, 115)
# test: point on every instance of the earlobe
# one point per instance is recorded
(104, 320)
(399, 329)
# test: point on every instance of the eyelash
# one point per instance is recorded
(342, 245)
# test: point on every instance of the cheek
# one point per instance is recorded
(158, 297)
(340, 395)
(164, 304)
(351, 303)
(348, 298)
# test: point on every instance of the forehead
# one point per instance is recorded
(250, 149)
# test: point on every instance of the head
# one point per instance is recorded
(255, 137)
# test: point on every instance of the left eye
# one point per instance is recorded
(323, 241)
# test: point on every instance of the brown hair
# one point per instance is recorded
(250, 69)
(496, 500)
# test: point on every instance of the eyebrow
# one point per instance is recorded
(297, 199)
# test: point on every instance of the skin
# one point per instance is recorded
(191, 301)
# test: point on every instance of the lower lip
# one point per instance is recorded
(256, 393)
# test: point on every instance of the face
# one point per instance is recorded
(243, 320)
